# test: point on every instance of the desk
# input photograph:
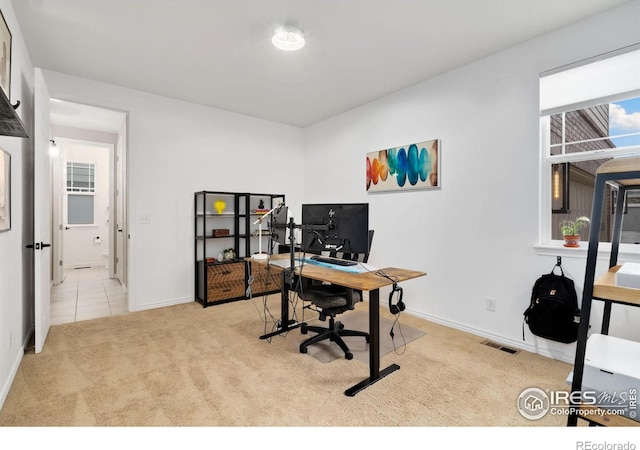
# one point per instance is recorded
(367, 281)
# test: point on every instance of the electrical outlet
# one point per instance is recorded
(144, 219)
(491, 304)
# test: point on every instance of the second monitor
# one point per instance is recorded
(278, 225)
(336, 227)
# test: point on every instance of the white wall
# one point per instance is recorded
(16, 302)
(475, 236)
(174, 149)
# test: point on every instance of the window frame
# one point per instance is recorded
(90, 191)
(547, 161)
(603, 78)
(74, 189)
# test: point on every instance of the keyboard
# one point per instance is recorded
(335, 261)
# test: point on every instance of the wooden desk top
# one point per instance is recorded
(366, 281)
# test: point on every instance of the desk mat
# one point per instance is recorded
(356, 268)
(327, 351)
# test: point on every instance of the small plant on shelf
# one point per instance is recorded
(229, 254)
(571, 230)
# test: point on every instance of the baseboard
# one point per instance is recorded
(6, 387)
(177, 301)
(531, 348)
(92, 265)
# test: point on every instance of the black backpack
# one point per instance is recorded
(553, 312)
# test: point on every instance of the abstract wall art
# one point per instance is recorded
(414, 166)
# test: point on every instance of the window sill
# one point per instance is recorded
(556, 248)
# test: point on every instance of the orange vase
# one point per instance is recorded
(572, 241)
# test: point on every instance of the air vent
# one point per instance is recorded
(500, 347)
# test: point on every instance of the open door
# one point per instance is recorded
(58, 226)
(42, 212)
(121, 222)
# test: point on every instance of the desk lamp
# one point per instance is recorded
(258, 222)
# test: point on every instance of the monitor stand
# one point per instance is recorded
(288, 279)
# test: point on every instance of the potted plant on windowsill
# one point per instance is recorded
(571, 230)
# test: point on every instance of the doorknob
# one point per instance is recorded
(66, 228)
(120, 231)
(38, 245)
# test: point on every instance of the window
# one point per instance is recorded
(81, 177)
(580, 141)
(80, 209)
(80, 193)
(587, 120)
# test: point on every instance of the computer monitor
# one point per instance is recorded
(278, 225)
(346, 227)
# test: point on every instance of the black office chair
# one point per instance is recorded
(330, 300)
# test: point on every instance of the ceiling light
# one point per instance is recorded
(288, 38)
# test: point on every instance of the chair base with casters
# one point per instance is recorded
(331, 300)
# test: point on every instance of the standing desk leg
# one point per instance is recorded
(374, 347)
(286, 324)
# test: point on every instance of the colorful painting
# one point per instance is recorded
(414, 166)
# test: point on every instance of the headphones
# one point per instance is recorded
(399, 306)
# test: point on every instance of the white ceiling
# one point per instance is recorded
(218, 52)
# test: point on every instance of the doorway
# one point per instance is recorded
(89, 212)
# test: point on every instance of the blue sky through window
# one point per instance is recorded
(624, 118)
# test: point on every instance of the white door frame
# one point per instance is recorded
(57, 225)
(124, 260)
(61, 141)
(121, 228)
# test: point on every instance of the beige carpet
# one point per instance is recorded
(327, 352)
(186, 365)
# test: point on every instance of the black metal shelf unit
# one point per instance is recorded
(622, 174)
(219, 279)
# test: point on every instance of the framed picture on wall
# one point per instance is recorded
(413, 166)
(5, 56)
(5, 191)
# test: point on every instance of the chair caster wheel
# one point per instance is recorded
(367, 339)
(303, 349)
(303, 329)
(348, 355)
(340, 325)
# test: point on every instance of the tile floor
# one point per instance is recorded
(86, 294)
